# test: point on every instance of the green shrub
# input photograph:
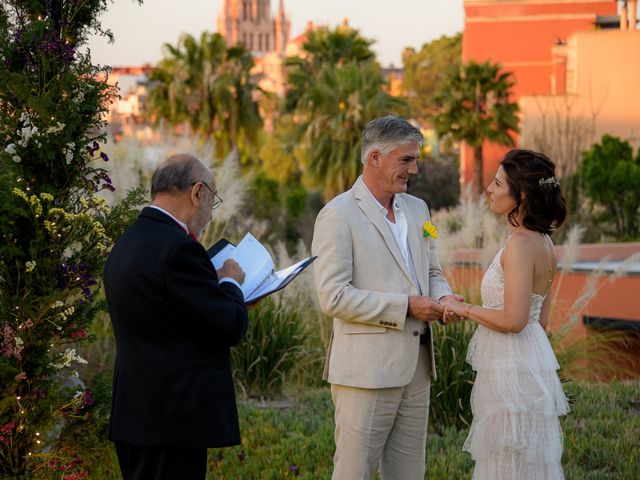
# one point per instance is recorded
(451, 392)
(273, 347)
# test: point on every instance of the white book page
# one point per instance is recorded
(285, 272)
(255, 261)
(222, 255)
(275, 280)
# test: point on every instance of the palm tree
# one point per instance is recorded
(333, 91)
(209, 87)
(476, 107)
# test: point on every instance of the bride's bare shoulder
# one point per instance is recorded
(519, 247)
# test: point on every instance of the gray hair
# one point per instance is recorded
(386, 133)
(177, 173)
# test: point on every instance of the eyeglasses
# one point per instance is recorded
(217, 200)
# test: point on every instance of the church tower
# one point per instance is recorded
(249, 22)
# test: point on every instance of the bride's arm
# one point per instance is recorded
(518, 261)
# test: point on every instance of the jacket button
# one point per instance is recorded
(416, 333)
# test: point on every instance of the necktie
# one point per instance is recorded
(193, 235)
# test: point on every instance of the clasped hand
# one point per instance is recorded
(455, 310)
(426, 309)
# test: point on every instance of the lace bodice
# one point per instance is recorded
(492, 290)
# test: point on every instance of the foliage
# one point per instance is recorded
(610, 176)
(333, 91)
(294, 439)
(451, 392)
(280, 155)
(273, 347)
(324, 47)
(476, 108)
(437, 182)
(424, 73)
(55, 226)
(209, 87)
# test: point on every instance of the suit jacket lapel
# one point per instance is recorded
(370, 208)
(413, 236)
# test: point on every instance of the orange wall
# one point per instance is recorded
(520, 35)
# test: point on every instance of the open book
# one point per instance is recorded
(261, 278)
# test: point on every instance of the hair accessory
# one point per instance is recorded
(551, 181)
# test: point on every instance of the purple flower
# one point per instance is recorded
(76, 275)
(94, 147)
(104, 156)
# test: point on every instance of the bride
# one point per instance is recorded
(517, 396)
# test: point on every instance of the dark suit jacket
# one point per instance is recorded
(174, 324)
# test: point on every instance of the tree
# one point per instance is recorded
(476, 108)
(56, 228)
(610, 176)
(425, 74)
(563, 134)
(209, 87)
(333, 92)
(437, 182)
(324, 47)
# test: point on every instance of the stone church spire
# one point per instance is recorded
(249, 22)
(282, 29)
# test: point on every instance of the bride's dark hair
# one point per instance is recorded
(535, 189)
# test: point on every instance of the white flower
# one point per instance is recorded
(57, 304)
(11, 149)
(69, 151)
(79, 97)
(25, 134)
(19, 342)
(16, 159)
(30, 265)
(58, 127)
(67, 358)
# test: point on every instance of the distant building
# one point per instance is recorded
(126, 115)
(249, 23)
(537, 40)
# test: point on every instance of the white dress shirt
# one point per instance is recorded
(399, 230)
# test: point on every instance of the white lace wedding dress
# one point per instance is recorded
(517, 396)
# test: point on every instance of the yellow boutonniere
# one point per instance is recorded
(429, 230)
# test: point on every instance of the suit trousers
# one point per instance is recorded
(383, 427)
(161, 463)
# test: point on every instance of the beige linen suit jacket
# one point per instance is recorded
(363, 282)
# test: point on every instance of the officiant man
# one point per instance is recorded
(380, 280)
(175, 319)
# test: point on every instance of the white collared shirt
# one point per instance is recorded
(186, 229)
(399, 230)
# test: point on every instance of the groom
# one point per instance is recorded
(381, 281)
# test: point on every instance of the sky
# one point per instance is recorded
(141, 30)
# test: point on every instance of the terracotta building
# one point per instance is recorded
(529, 38)
(250, 23)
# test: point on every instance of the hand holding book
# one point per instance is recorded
(231, 269)
(261, 278)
